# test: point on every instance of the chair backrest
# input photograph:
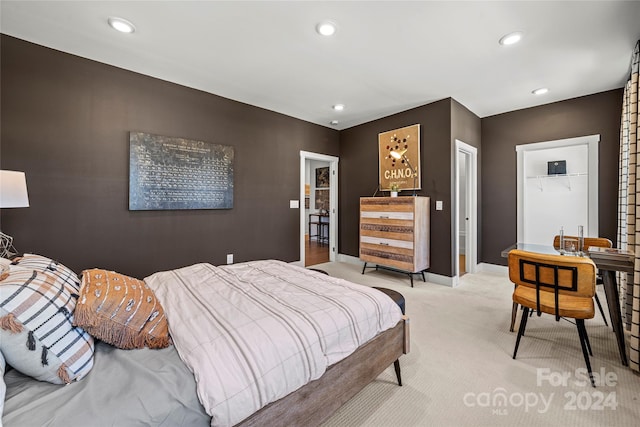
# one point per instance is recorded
(560, 274)
(588, 241)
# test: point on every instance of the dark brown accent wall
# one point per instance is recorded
(65, 122)
(467, 127)
(440, 123)
(587, 115)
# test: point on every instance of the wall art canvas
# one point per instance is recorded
(322, 200)
(167, 173)
(322, 177)
(404, 172)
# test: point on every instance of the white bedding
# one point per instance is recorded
(254, 332)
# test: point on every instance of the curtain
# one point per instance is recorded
(629, 208)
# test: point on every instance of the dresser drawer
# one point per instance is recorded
(387, 215)
(387, 243)
(395, 229)
(385, 255)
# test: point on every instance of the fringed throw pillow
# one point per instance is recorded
(37, 336)
(121, 310)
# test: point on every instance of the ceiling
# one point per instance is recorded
(386, 57)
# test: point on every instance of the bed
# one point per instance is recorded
(163, 387)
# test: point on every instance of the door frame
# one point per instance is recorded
(471, 240)
(333, 201)
(591, 141)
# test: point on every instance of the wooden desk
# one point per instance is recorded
(608, 266)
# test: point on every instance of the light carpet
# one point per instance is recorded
(459, 371)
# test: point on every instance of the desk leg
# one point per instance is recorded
(613, 301)
(325, 237)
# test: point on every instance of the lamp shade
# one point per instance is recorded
(13, 190)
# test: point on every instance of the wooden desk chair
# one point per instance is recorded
(590, 241)
(554, 284)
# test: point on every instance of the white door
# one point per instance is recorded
(465, 211)
(333, 202)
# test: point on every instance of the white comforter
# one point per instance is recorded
(254, 332)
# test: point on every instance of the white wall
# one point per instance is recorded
(551, 202)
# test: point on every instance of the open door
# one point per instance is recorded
(465, 222)
(318, 222)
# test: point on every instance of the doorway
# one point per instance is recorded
(465, 221)
(549, 198)
(318, 208)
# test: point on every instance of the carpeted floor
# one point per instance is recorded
(460, 371)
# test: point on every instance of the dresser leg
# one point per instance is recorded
(363, 268)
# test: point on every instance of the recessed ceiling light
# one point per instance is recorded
(511, 38)
(326, 28)
(338, 107)
(334, 122)
(540, 91)
(121, 25)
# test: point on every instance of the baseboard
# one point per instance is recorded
(348, 259)
(438, 279)
(493, 268)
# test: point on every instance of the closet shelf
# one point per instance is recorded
(566, 177)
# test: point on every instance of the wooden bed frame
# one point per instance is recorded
(316, 401)
(313, 403)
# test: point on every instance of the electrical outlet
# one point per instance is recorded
(229, 258)
(438, 205)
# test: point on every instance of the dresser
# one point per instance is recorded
(394, 233)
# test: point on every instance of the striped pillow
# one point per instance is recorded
(121, 310)
(47, 265)
(37, 336)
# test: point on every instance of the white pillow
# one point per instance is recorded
(37, 336)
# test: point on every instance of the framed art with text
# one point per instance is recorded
(168, 173)
(399, 158)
